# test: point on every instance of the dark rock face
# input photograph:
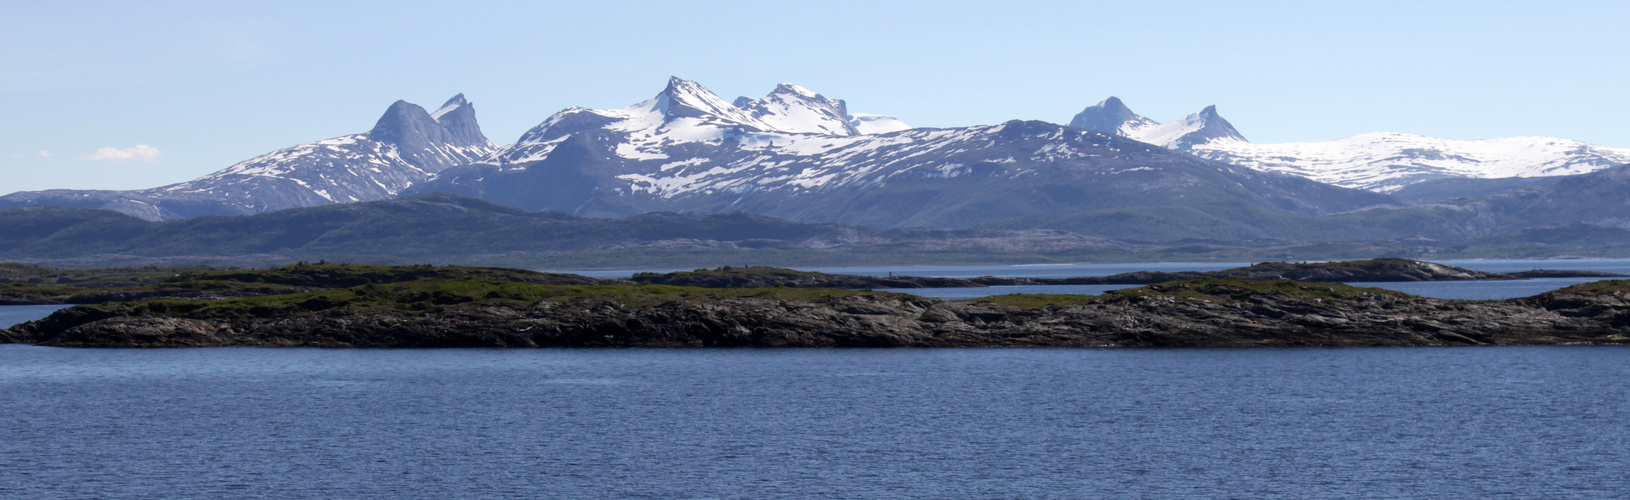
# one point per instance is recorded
(1190, 314)
(430, 143)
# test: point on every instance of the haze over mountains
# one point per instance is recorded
(801, 156)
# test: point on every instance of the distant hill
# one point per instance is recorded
(450, 228)
(444, 228)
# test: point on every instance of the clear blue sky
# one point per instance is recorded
(207, 84)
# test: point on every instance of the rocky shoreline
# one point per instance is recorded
(1197, 313)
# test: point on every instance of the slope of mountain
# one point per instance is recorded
(407, 145)
(1456, 188)
(794, 154)
(1382, 161)
(447, 227)
(1570, 211)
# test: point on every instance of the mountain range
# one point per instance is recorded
(1384, 162)
(797, 155)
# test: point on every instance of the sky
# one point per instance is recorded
(130, 95)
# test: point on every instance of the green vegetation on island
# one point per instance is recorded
(347, 305)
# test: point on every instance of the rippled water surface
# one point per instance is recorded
(1541, 422)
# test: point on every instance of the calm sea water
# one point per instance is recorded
(815, 423)
(1469, 290)
(11, 315)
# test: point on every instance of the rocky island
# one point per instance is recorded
(427, 306)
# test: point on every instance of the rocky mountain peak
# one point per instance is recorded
(687, 99)
(1207, 126)
(457, 119)
(791, 88)
(791, 108)
(405, 124)
(452, 104)
(423, 139)
(1111, 117)
(1114, 105)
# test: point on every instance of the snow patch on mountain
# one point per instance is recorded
(876, 124)
(790, 120)
(790, 108)
(1388, 161)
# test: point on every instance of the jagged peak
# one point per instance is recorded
(1217, 127)
(456, 102)
(684, 90)
(687, 99)
(419, 135)
(1195, 129)
(1111, 116)
(793, 88)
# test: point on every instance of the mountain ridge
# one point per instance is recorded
(1384, 162)
(790, 155)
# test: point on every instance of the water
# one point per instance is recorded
(1479, 290)
(12, 315)
(1465, 290)
(1543, 422)
(958, 293)
(1020, 271)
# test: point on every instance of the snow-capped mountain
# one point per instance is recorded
(799, 155)
(406, 145)
(1382, 161)
(1111, 116)
(1388, 161)
(876, 124)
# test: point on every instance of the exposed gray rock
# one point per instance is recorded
(1188, 314)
